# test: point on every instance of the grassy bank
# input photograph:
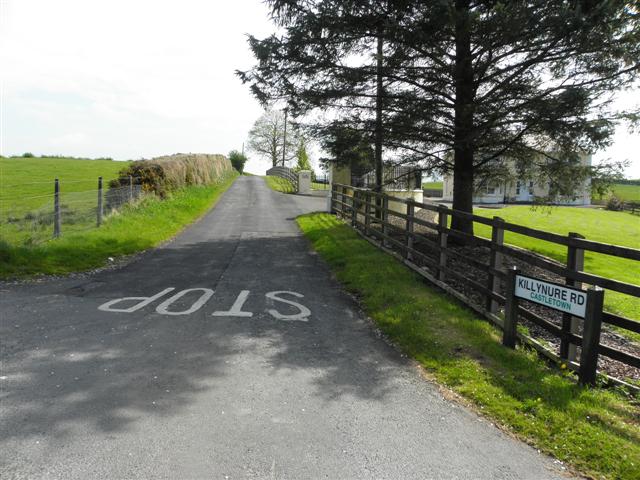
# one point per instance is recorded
(280, 184)
(618, 228)
(594, 430)
(136, 227)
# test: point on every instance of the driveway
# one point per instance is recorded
(238, 357)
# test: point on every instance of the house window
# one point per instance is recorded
(489, 189)
(518, 188)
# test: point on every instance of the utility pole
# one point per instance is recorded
(284, 137)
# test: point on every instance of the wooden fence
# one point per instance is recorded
(369, 213)
(286, 173)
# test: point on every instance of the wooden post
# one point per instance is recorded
(575, 262)
(495, 262)
(130, 188)
(99, 210)
(367, 212)
(354, 209)
(56, 209)
(591, 336)
(334, 197)
(442, 241)
(509, 333)
(411, 208)
(385, 217)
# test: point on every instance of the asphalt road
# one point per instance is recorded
(189, 385)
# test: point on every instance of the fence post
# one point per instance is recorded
(442, 241)
(99, 210)
(334, 191)
(354, 209)
(411, 208)
(385, 217)
(510, 330)
(56, 209)
(367, 212)
(575, 262)
(495, 262)
(591, 336)
(130, 188)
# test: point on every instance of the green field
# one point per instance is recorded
(628, 193)
(595, 430)
(138, 226)
(21, 179)
(618, 228)
(26, 195)
(432, 185)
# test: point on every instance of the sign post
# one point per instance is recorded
(571, 301)
(591, 336)
(509, 333)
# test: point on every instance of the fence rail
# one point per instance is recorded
(286, 173)
(433, 254)
(396, 177)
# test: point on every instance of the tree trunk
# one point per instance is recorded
(378, 127)
(463, 123)
(284, 138)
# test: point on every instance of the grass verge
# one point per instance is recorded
(136, 227)
(594, 430)
(280, 184)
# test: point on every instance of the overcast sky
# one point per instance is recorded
(140, 78)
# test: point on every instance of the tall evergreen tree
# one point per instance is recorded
(468, 86)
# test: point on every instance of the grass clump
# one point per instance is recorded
(136, 227)
(280, 184)
(595, 431)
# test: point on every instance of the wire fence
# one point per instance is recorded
(29, 215)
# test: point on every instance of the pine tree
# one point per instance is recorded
(465, 87)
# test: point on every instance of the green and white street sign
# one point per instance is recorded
(552, 295)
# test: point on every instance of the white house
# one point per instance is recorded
(521, 191)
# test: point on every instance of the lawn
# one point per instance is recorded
(138, 226)
(280, 184)
(618, 228)
(594, 430)
(432, 185)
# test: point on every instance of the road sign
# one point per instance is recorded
(584, 304)
(552, 295)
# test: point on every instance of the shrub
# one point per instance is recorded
(238, 160)
(163, 175)
(28, 155)
(614, 203)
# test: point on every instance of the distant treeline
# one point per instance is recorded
(629, 182)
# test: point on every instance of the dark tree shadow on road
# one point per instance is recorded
(67, 364)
